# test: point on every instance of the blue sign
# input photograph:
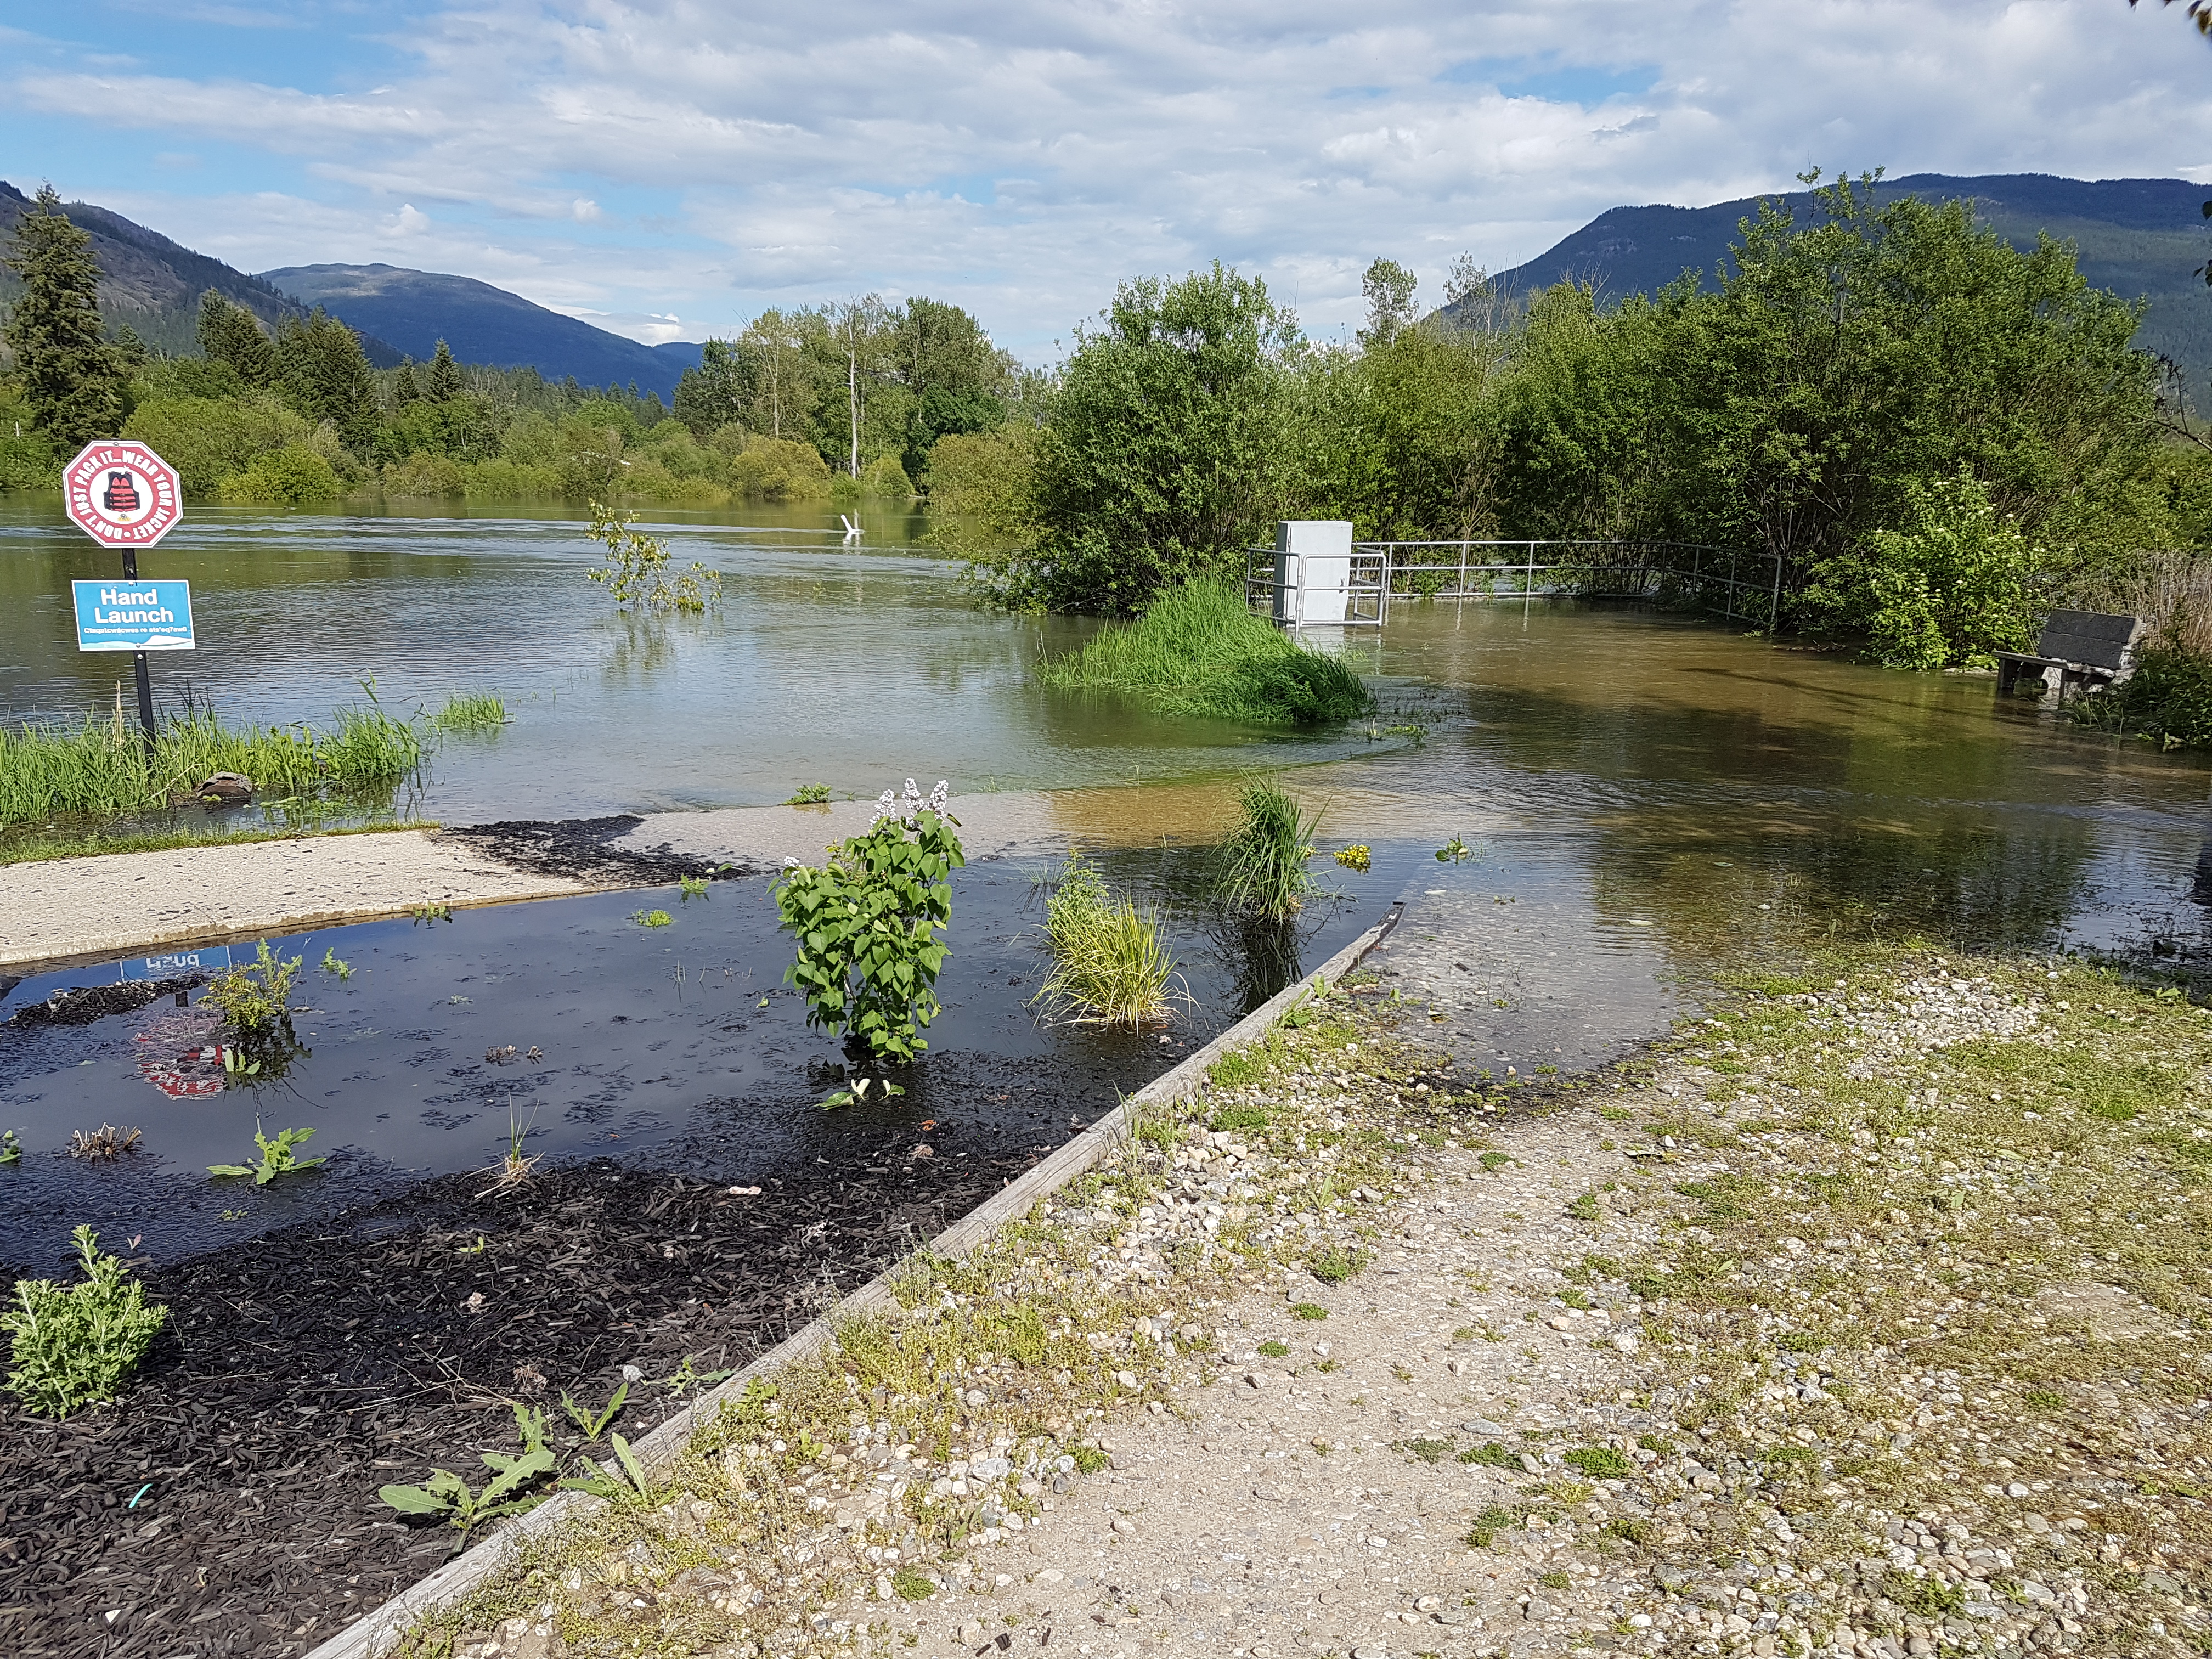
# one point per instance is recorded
(174, 964)
(133, 615)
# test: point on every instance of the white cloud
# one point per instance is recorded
(1022, 158)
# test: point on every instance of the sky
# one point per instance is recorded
(669, 170)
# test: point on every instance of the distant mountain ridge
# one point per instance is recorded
(481, 323)
(154, 285)
(2140, 238)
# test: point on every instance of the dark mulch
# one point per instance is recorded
(580, 848)
(301, 1371)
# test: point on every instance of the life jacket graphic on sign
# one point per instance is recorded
(121, 495)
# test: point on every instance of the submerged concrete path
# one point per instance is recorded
(67, 909)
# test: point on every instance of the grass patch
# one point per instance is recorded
(1336, 1263)
(1598, 1462)
(1110, 966)
(28, 847)
(471, 711)
(1263, 861)
(1199, 651)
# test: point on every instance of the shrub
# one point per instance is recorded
(1199, 651)
(1110, 966)
(425, 475)
(74, 1346)
(1262, 864)
(867, 921)
(1947, 590)
(2168, 699)
(778, 470)
(884, 477)
(289, 476)
(636, 570)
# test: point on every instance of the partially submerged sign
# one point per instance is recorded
(174, 964)
(121, 494)
(133, 615)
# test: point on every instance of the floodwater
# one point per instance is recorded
(1640, 797)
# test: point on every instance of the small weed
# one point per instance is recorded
(1335, 1264)
(812, 794)
(1237, 1068)
(276, 1157)
(1236, 1118)
(1576, 1298)
(1424, 1450)
(1491, 1455)
(912, 1584)
(255, 996)
(74, 1346)
(651, 918)
(1926, 1598)
(1354, 857)
(1493, 1520)
(1111, 964)
(1308, 1310)
(2044, 1400)
(430, 910)
(1275, 1350)
(1453, 851)
(1599, 1462)
(9, 1151)
(624, 1478)
(515, 1167)
(1401, 1373)
(1558, 1578)
(331, 965)
(1656, 1443)
(102, 1144)
(445, 1494)
(1089, 1459)
(1494, 1162)
(1326, 1366)
(1584, 1208)
(692, 887)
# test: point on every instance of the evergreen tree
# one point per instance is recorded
(132, 352)
(443, 382)
(325, 375)
(232, 334)
(404, 389)
(721, 392)
(73, 380)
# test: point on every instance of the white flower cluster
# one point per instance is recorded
(889, 805)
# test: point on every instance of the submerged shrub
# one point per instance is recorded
(2168, 699)
(1110, 967)
(288, 476)
(1263, 862)
(1199, 650)
(867, 921)
(74, 1346)
(636, 570)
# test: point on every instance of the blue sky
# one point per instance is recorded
(669, 169)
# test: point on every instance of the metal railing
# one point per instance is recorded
(1740, 585)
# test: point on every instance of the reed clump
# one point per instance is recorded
(1200, 651)
(1110, 966)
(1262, 871)
(101, 768)
(471, 711)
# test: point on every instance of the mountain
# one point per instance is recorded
(2141, 237)
(153, 284)
(481, 323)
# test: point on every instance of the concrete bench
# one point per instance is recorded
(2077, 651)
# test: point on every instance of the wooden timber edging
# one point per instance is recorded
(376, 1632)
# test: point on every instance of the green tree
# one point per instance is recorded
(404, 389)
(1165, 454)
(73, 381)
(723, 389)
(443, 381)
(325, 375)
(1388, 289)
(231, 334)
(957, 378)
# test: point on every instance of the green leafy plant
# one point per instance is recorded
(1089, 1459)
(74, 1346)
(1336, 1263)
(866, 922)
(255, 996)
(691, 887)
(913, 1584)
(1308, 1310)
(1275, 1350)
(1491, 1455)
(9, 1151)
(1355, 857)
(276, 1157)
(624, 1478)
(651, 918)
(636, 572)
(593, 1426)
(1110, 967)
(331, 965)
(809, 794)
(1598, 1462)
(1263, 862)
(430, 910)
(1453, 851)
(513, 1473)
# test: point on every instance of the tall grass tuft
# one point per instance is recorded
(1110, 967)
(1263, 862)
(471, 711)
(100, 768)
(1198, 650)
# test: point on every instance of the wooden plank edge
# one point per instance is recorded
(374, 1632)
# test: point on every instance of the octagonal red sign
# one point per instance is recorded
(122, 494)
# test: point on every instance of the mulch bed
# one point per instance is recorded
(581, 848)
(300, 1371)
